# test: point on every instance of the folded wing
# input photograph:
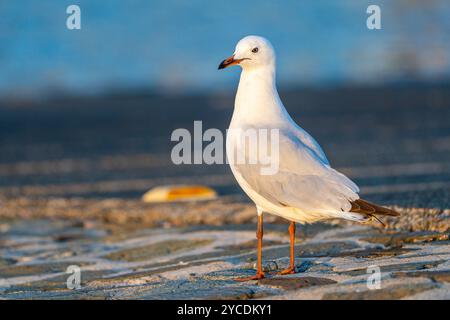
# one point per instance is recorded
(303, 180)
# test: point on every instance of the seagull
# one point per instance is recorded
(304, 188)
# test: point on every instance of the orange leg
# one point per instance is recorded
(291, 268)
(259, 236)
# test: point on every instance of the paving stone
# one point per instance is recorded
(394, 292)
(292, 283)
(412, 237)
(156, 250)
(438, 276)
(398, 267)
(36, 269)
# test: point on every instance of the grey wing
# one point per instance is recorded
(302, 180)
(309, 142)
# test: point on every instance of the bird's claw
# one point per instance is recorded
(257, 276)
(287, 271)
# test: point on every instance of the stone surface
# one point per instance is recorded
(333, 262)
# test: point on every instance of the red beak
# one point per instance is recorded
(230, 61)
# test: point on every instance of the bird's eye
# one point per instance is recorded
(255, 50)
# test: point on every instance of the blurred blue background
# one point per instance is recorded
(175, 46)
(90, 112)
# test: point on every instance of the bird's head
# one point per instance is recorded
(251, 52)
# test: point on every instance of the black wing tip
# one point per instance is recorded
(363, 206)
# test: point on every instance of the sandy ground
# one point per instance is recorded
(72, 172)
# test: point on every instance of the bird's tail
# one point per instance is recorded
(371, 211)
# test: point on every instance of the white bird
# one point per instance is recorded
(304, 188)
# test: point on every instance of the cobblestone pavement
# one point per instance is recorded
(333, 262)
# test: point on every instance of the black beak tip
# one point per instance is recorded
(221, 65)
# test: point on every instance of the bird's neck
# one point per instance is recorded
(257, 98)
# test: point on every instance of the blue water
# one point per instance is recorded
(175, 46)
